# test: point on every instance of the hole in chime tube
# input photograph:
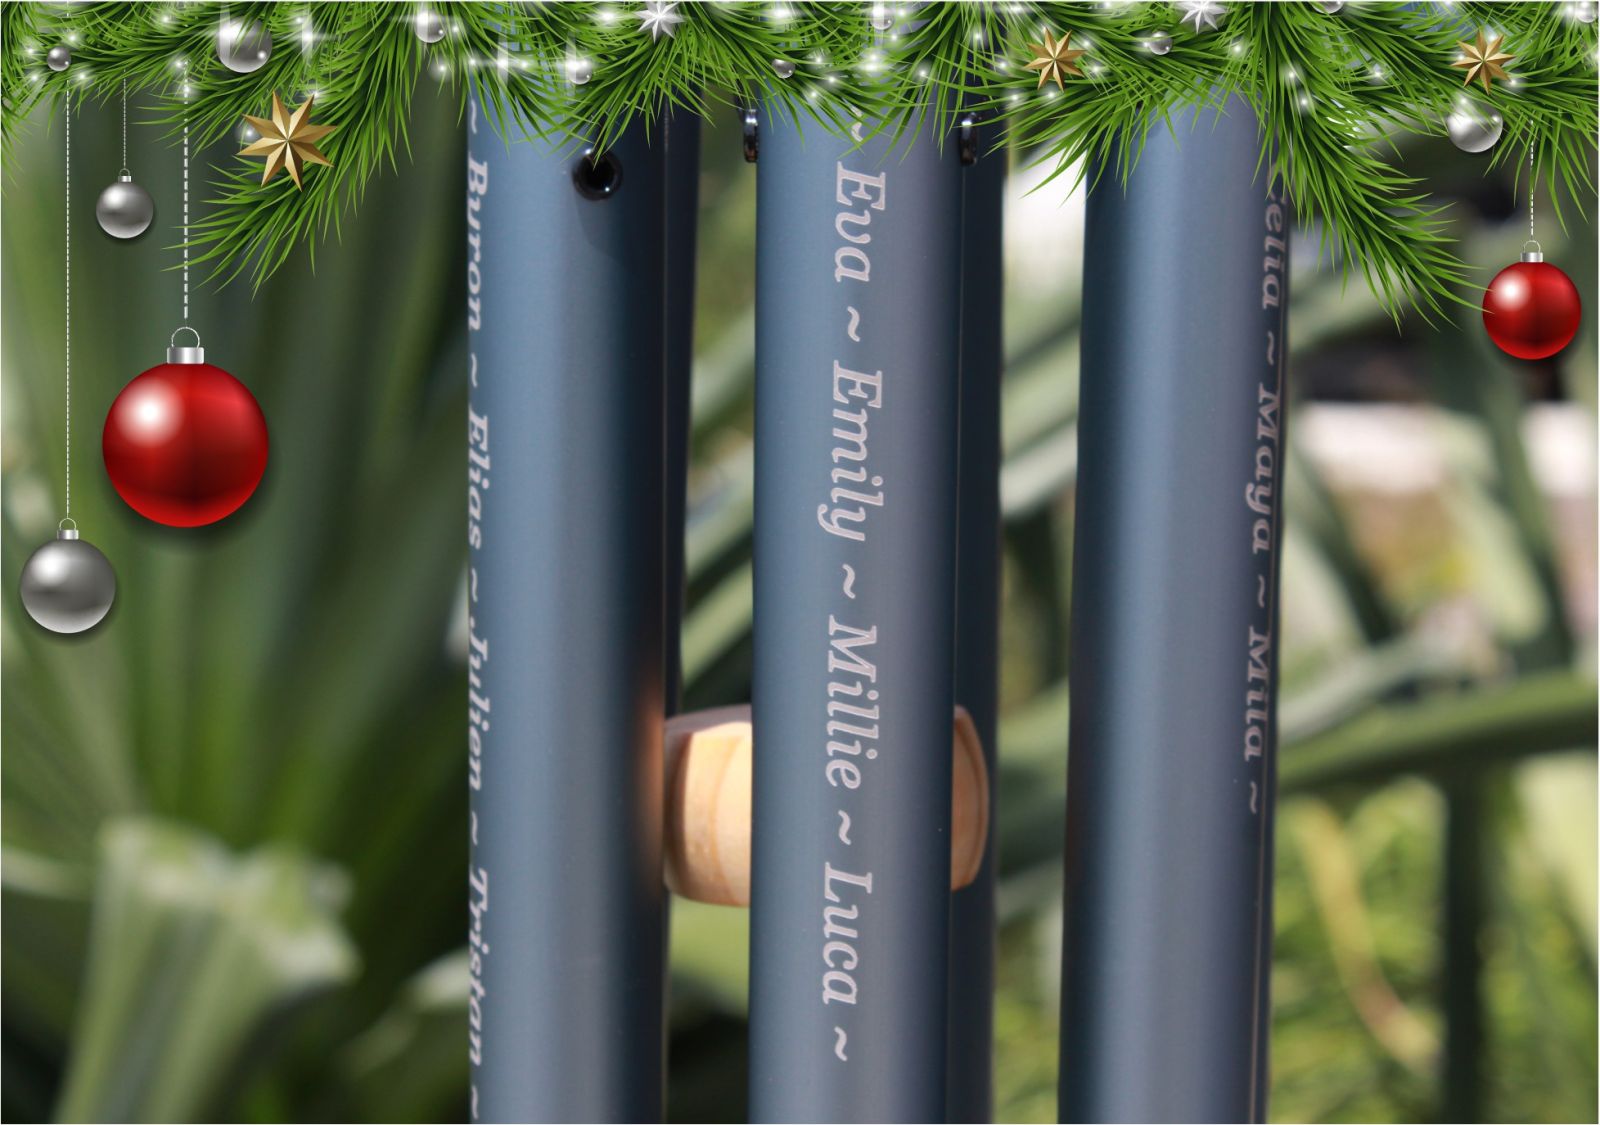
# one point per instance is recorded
(597, 177)
(967, 135)
(752, 136)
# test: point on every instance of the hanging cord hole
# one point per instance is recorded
(597, 176)
(967, 138)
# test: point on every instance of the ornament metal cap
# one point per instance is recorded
(175, 354)
(67, 532)
(1534, 255)
(125, 176)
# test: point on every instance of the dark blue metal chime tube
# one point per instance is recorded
(681, 209)
(858, 311)
(972, 909)
(1175, 632)
(566, 606)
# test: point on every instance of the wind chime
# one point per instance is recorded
(856, 537)
(876, 587)
(184, 443)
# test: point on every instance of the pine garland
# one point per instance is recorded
(1335, 90)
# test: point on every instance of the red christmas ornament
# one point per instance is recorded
(185, 443)
(1531, 309)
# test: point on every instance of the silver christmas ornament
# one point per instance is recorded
(579, 71)
(1583, 12)
(1332, 7)
(1156, 42)
(882, 18)
(67, 584)
(58, 57)
(430, 26)
(247, 133)
(125, 209)
(243, 45)
(1473, 126)
(783, 68)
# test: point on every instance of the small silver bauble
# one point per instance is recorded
(58, 57)
(1583, 12)
(125, 209)
(1331, 6)
(1156, 42)
(429, 25)
(1473, 126)
(67, 584)
(243, 45)
(247, 133)
(882, 18)
(579, 71)
(783, 68)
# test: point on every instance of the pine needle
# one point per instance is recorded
(1333, 93)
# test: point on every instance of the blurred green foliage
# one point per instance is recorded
(234, 818)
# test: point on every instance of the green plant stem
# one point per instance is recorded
(1465, 894)
(1538, 714)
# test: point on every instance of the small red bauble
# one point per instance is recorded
(185, 443)
(1531, 309)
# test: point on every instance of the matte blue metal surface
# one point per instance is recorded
(854, 625)
(1174, 634)
(681, 211)
(972, 917)
(566, 615)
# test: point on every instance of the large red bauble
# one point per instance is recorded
(1531, 310)
(185, 444)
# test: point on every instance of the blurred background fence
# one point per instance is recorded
(234, 828)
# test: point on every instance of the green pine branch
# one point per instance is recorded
(1333, 91)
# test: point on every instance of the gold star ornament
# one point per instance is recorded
(1481, 61)
(288, 141)
(1054, 60)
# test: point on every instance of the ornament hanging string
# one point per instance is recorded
(186, 215)
(124, 124)
(1531, 183)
